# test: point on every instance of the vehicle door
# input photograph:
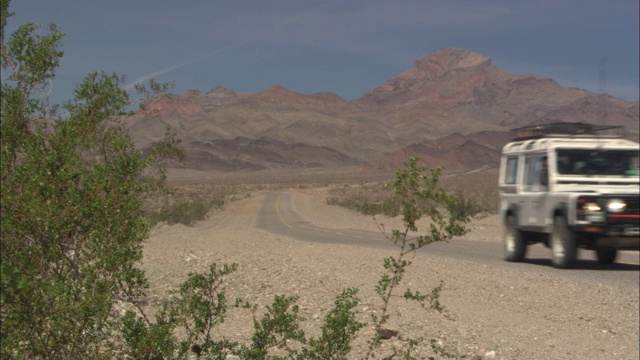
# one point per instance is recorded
(534, 192)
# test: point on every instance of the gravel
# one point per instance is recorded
(493, 312)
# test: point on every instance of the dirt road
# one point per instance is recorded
(496, 309)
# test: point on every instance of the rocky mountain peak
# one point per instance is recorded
(279, 94)
(187, 103)
(220, 92)
(276, 89)
(446, 76)
(445, 61)
(449, 59)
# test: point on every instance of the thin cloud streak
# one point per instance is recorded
(153, 75)
(251, 38)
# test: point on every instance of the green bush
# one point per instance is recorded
(71, 205)
(418, 191)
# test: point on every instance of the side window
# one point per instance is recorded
(530, 171)
(535, 170)
(566, 164)
(511, 171)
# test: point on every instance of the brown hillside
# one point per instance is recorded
(455, 152)
(243, 154)
(454, 108)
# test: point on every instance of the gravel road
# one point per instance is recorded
(495, 310)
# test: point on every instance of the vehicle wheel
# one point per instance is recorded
(606, 255)
(563, 244)
(515, 245)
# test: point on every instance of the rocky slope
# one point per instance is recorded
(454, 107)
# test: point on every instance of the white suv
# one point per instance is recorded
(570, 186)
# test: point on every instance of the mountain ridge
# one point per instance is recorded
(454, 107)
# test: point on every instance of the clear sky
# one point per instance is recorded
(344, 46)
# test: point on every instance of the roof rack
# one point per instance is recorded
(561, 129)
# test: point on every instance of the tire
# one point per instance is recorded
(606, 255)
(563, 244)
(515, 245)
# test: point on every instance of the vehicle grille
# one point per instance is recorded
(630, 216)
(633, 205)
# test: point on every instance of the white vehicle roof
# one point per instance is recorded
(540, 145)
(540, 138)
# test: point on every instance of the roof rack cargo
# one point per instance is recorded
(562, 129)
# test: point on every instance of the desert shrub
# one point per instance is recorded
(332, 200)
(148, 340)
(365, 205)
(417, 189)
(200, 305)
(186, 210)
(358, 203)
(71, 205)
(478, 191)
(391, 206)
(339, 329)
(476, 195)
(467, 206)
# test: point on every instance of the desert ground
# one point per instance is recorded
(494, 310)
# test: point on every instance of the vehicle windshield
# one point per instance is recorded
(597, 162)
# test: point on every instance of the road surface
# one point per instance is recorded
(277, 215)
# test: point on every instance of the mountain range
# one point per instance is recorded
(454, 108)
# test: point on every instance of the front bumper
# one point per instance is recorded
(619, 231)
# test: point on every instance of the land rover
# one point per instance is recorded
(570, 186)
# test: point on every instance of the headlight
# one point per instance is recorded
(591, 207)
(616, 205)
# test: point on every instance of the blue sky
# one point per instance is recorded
(347, 47)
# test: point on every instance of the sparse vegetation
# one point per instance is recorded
(466, 205)
(475, 195)
(201, 303)
(366, 206)
(417, 188)
(73, 227)
(186, 210)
